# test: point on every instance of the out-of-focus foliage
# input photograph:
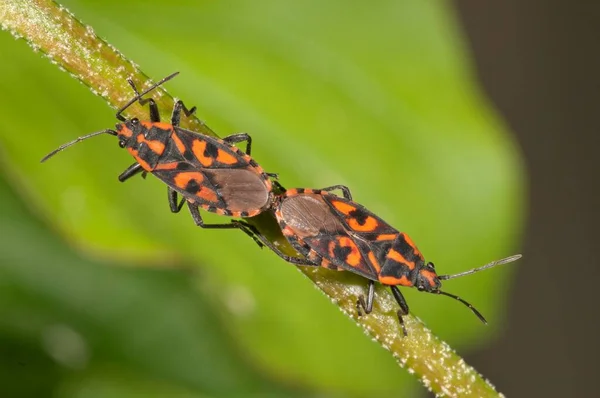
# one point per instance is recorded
(377, 96)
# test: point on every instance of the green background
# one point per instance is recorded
(104, 292)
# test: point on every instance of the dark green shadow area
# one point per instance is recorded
(65, 320)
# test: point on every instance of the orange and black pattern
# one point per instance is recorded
(345, 235)
(209, 173)
(216, 176)
(328, 230)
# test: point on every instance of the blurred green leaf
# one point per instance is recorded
(79, 312)
(377, 96)
(118, 383)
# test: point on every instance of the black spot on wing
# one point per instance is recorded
(184, 166)
(211, 150)
(189, 156)
(187, 138)
(341, 252)
(193, 187)
(321, 243)
(359, 215)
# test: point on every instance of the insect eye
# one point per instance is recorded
(122, 144)
(135, 121)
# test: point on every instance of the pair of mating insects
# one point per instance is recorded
(327, 230)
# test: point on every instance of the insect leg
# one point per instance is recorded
(240, 137)
(176, 115)
(195, 211)
(175, 207)
(368, 306)
(256, 235)
(154, 114)
(345, 190)
(130, 172)
(403, 307)
(119, 114)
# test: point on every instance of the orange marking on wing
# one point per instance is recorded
(137, 158)
(374, 262)
(387, 237)
(226, 158)
(353, 258)
(331, 248)
(198, 148)
(411, 243)
(398, 257)
(207, 194)
(178, 143)
(182, 179)
(343, 207)
(393, 281)
(370, 224)
(166, 166)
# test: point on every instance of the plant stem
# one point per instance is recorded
(74, 47)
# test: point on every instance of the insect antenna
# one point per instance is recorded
(75, 141)
(481, 317)
(140, 95)
(118, 115)
(489, 265)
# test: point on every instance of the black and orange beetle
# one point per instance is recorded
(208, 172)
(336, 233)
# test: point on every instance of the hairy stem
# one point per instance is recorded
(74, 47)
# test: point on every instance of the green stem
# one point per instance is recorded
(52, 30)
